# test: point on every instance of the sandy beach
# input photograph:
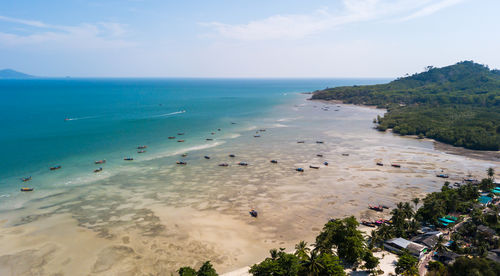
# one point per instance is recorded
(159, 216)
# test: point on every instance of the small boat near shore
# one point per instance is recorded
(299, 169)
(376, 208)
(24, 179)
(232, 155)
(128, 158)
(181, 163)
(253, 213)
(325, 163)
(209, 139)
(171, 137)
(319, 142)
(206, 157)
(141, 151)
(243, 163)
(98, 170)
(319, 155)
(142, 147)
(180, 141)
(100, 161)
(274, 161)
(442, 175)
(184, 155)
(256, 136)
(314, 167)
(24, 189)
(367, 223)
(380, 164)
(55, 168)
(300, 142)
(396, 165)
(223, 165)
(180, 133)
(345, 154)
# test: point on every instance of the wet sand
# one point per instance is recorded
(158, 216)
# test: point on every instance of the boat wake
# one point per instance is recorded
(6, 195)
(80, 118)
(170, 114)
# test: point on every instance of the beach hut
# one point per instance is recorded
(397, 245)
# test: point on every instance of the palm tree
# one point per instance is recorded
(313, 264)
(374, 238)
(301, 250)
(491, 173)
(384, 232)
(416, 201)
(440, 247)
(274, 253)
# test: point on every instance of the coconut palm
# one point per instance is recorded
(384, 232)
(491, 173)
(416, 201)
(440, 247)
(313, 264)
(302, 250)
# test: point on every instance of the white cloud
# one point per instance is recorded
(298, 26)
(84, 36)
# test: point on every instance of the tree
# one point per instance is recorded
(437, 269)
(187, 271)
(280, 263)
(440, 247)
(491, 173)
(475, 266)
(416, 201)
(301, 250)
(371, 262)
(407, 265)
(206, 270)
(313, 264)
(330, 265)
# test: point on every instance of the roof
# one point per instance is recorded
(427, 240)
(494, 255)
(486, 230)
(484, 199)
(401, 243)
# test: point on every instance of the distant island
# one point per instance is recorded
(457, 104)
(12, 74)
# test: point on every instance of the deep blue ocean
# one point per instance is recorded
(73, 122)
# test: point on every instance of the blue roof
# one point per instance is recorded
(484, 199)
(446, 220)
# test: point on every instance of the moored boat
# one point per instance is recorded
(171, 137)
(180, 133)
(181, 163)
(256, 136)
(380, 164)
(24, 189)
(396, 165)
(300, 142)
(313, 167)
(209, 139)
(299, 169)
(232, 155)
(98, 170)
(376, 208)
(325, 163)
(253, 213)
(55, 168)
(180, 141)
(128, 158)
(207, 157)
(345, 154)
(223, 165)
(319, 155)
(319, 142)
(442, 175)
(100, 161)
(184, 155)
(141, 151)
(24, 179)
(367, 223)
(142, 147)
(274, 161)
(243, 163)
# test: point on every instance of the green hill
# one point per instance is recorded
(11, 74)
(457, 104)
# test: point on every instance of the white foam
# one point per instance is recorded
(170, 114)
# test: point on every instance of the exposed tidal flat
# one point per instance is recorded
(155, 216)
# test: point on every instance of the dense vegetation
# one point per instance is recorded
(457, 104)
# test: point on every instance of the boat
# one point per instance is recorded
(385, 207)
(232, 155)
(325, 163)
(24, 189)
(376, 208)
(262, 130)
(218, 129)
(319, 142)
(319, 155)
(213, 133)
(128, 158)
(184, 155)
(223, 165)
(367, 223)
(256, 136)
(207, 157)
(180, 133)
(380, 164)
(67, 119)
(378, 222)
(142, 147)
(345, 154)
(209, 139)
(180, 141)
(253, 213)
(181, 163)
(442, 175)
(243, 164)
(396, 165)
(100, 161)
(274, 161)
(233, 123)
(299, 169)
(300, 142)
(98, 170)
(141, 151)
(55, 168)
(24, 179)
(171, 137)
(313, 167)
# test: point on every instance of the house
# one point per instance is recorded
(485, 230)
(447, 257)
(494, 255)
(397, 245)
(428, 239)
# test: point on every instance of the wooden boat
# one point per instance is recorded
(24, 189)
(180, 133)
(274, 161)
(232, 155)
(443, 175)
(24, 179)
(128, 158)
(55, 168)
(319, 142)
(100, 162)
(262, 130)
(142, 147)
(171, 137)
(345, 154)
(396, 165)
(300, 142)
(218, 129)
(184, 155)
(380, 164)
(180, 141)
(319, 155)
(313, 167)
(253, 213)
(299, 169)
(256, 136)
(207, 157)
(141, 151)
(367, 223)
(325, 163)
(209, 139)
(376, 208)
(213, 133)
(181, 163)
(243, 164)
(223, 165)
(98, 170)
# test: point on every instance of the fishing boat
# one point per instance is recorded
(232, 155)
(207, 157)
(24, 189)
(274, 161)
(218, 129)
(313, 167)
(300, 142)
(380, 164)
(184, 155)
(367, 223)
(253, 213)
(376, 208)
(213, 133)
(142, 147)
(223, 164)
(180, 133)
(396, 165)
(98, 170)
(55, 168)
(442, 175)
(262, 130)
(128, 158)
(24, 179)
(181, 163)
(319, 142)
(319, 155)
(209, 139)
(180, 141)
(171, 137)
(345, 154)
(256, 136)
(299, 169)
(141, 151)
(100, 161)
(325, 163)
(243, 164)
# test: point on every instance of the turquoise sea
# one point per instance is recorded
(73, 122)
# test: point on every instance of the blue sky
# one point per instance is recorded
(258, 38)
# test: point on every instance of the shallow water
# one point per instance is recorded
(155, 216)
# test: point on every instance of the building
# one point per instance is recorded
(494, 255)
(397, 245)
(428, 239)
(447, 257)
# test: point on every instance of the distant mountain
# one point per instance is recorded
(11, 74)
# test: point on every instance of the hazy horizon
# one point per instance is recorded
(258, 39)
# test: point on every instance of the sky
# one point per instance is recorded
(245, 39)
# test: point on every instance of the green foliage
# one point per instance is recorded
(371, 262)
(205, 270)
(187, 271)
(475, 266)
(280, 263)
(407, 265)
(457, 104)
(437, 269)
